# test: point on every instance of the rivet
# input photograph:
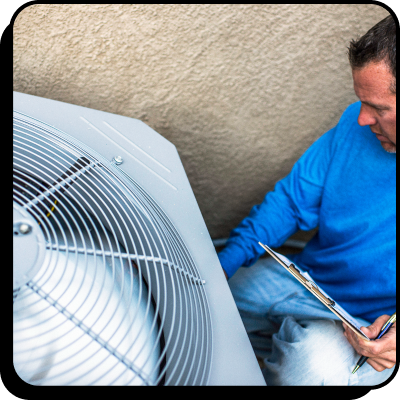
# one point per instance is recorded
(24, 228)
(118, 160)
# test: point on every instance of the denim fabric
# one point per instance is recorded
(299, 338)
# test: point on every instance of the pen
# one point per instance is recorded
(384, 329)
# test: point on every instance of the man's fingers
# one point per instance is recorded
(380, 364)
(376, 366)
(372, 331)
(381, 352)
(380, 346)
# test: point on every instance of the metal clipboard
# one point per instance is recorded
(317, 292)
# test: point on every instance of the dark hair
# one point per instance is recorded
(378, 44)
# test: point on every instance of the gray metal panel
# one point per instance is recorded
(154, 163)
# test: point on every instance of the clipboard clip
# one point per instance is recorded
(310, 285)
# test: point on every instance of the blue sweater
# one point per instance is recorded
(345, 184)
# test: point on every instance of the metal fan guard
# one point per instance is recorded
(118, 298)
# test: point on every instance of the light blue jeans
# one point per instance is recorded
(300, 340)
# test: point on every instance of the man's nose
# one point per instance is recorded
(366, 117)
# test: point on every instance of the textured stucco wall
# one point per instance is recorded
(241, 90)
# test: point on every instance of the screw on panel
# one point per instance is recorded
(118, 160)
(24, 229)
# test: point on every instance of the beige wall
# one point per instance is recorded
(241, 90)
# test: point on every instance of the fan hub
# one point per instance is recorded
(29, 246)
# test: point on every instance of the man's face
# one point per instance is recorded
(378, 103)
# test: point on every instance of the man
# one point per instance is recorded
(345, 184)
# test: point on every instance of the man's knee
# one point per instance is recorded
(309, 352)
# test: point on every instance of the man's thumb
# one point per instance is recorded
(372, 331)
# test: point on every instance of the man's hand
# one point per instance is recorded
(381, 353)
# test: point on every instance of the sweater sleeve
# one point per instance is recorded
(293, 204)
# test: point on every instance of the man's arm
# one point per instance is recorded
(293, 204)
(381, 353)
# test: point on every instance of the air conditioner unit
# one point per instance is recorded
(116, 280)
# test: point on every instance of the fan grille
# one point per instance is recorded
(118, 299)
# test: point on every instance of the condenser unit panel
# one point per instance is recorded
(99, 189)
